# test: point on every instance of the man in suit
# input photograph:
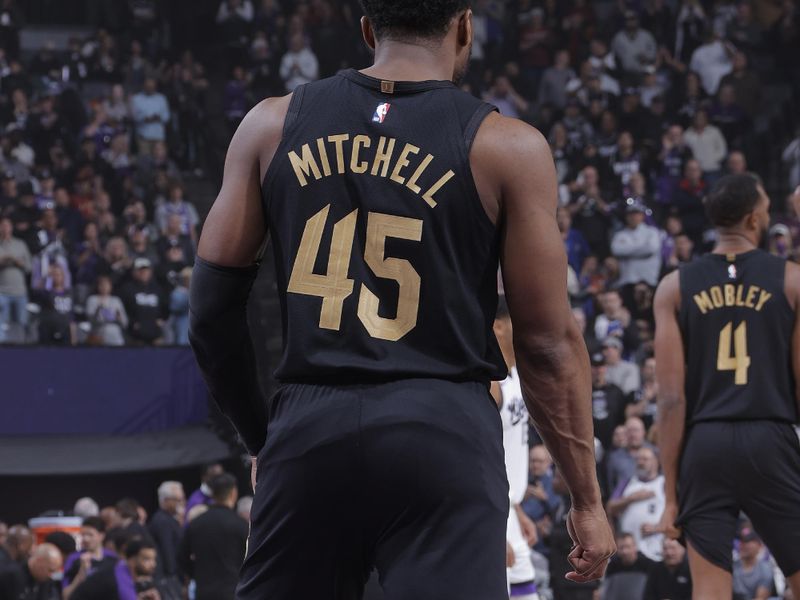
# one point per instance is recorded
(213, 545)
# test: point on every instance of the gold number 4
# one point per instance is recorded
(335, 287)
(740, 361)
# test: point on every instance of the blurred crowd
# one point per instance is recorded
(103, 142)
(188, 548)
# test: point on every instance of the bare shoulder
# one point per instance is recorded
(261, 130)
(501, 137)
(791, 284)
(511, 162)
(668, 294)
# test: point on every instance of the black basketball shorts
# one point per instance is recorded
(733, 466)
(405, 477)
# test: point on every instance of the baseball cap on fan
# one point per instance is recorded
(142, 263)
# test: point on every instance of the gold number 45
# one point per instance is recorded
(740, 361)
(335, 286)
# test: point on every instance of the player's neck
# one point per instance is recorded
(409, 61)
(734, 242)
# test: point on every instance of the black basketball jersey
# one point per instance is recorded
(386, 261)
(737, 329)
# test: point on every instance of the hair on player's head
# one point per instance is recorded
(410, 19)
(731, 199)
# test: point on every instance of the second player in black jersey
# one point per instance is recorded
(727, 361)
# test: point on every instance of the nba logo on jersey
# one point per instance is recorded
(381, 112)
(732, 272)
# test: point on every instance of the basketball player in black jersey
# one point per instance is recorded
(388, 195)
(728, 360)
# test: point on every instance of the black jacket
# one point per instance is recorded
(166, 533)
(17, 583)
(212, 551)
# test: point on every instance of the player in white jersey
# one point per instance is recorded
(520, 531)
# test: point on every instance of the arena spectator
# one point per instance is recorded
(131, 519)
(791, 156)
(213, 545)
(179, 308)
(145, 304)
(745, 82)
(299, 65)
(736, 163)
(140, 246)
(541, 501)
(752, 576)
(729, 116)
(644, 405)
(670, 579)
(177, 206)
(86, 507)
(637, 248)
(621, 460)
(591, 213)
(58, 306)
(131, 578)
(574, 242)
(615, 320)
(553, 86)
(608, 402)
(165, 528)
(111, 517)
(712, 61)
(691, 26)
(150, 111)
(15, 264)
(627, 573)
(620, 372)
(202, 495)
(780, 241)
(708, 145)
(19, 543)
(507, 99)
(33, 578)
(634, 47)
(742, 31)
(637, 504)
(93, 556)
(688, 201)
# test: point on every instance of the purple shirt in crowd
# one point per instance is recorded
(199, 496)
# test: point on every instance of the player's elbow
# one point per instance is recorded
(555, 349)
(669, 401)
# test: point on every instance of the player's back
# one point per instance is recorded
(737, 327)
(385, 258)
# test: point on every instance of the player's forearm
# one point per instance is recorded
(671, 429)
(557, 387)
(220, 337)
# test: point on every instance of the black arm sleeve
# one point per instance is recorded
(220, 338)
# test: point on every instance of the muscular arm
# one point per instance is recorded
(551, 355)
(515, 175)
(670, 374)
(792, 291)
(225, 272)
